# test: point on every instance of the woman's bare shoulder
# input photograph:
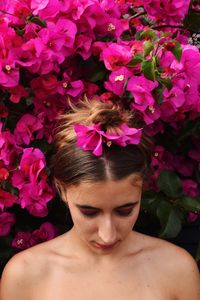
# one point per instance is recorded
(15, 280)
(175, 264)
(25, 269)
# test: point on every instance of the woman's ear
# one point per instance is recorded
(61, 191)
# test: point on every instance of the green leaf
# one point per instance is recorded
(148, 33)
(138, 34)
(189, 204)
(136, 60)
(38, 21)
(177, 50)
(19, 31)
(170, 184)
(167, 83)
(170, 220)
(148, 47)
(148, 68)
(99, 75)
(190, 128)
(159, 98)
(150, 202)
(192, 21)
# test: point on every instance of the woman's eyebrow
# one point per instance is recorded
(97, 208)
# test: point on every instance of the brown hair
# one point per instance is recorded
(72, 165)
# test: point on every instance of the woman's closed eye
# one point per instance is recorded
(89, 212)
(123, 211)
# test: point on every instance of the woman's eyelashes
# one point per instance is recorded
(123, 212)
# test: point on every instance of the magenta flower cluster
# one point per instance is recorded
(92, 137)
(52, 50)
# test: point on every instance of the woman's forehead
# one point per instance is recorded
(116, 191)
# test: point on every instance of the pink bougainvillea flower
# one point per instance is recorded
(48, 109)
(17, 93)
(175, 96)
(31, 164)
(7, 220)
(22, 241)
(91, 89)
(35, 196)
(137, 47)
(76, 8)
(194, 152)
(7, 199)
(46, 232)
(167, 11)
(115, 56)
(37, 5)
(184, 166)
(188, 67)
(2, 140)
(25, 127)
(151, 114)
(117, 80)
(190, 61)
(89, 138)
(45, 9)
(43, 85)
(141, 89)
(9, 74)
(56, 41)
(69, 87)
(192, 217)
(126, 137)
(83, 45)
(92, 137)
(9, 150)
(168, 111)
(154, 128)
(4, 174)
(3, 111)
(98, 46)
(190, 187)
(52, 45)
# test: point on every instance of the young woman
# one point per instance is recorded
(101, 161)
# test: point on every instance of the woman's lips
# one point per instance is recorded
(105, 247)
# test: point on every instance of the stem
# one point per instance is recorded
(170, 26)
(138, 15)
(7, 13)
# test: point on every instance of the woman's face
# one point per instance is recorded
(104, 213)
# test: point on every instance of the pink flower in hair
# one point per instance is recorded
(92, 137)
(89, 138)
(128, 136)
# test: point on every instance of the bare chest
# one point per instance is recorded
(106, 285)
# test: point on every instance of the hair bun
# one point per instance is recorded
(107, 114)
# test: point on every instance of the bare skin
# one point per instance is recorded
(154, 270)
(74, 266)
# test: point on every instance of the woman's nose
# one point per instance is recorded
(107, 231)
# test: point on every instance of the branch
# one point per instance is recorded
(170, 26)
(7, 13)
(138, 15)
